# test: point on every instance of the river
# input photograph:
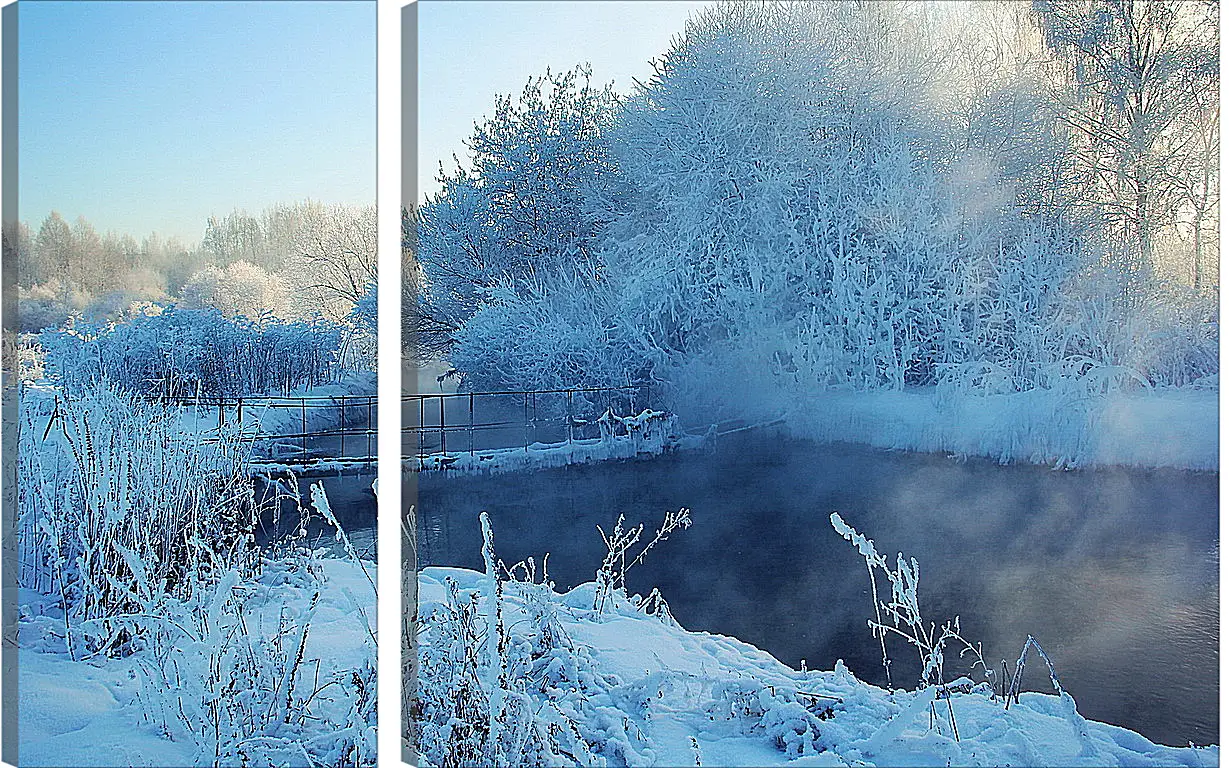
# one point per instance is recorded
(1114, 571)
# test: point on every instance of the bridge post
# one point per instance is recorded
(570, 418)
(471, 423)
(443, 433)
(342, 424)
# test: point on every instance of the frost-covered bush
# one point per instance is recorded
(240, 289)
(553, 332)
(489, 695)
(1173, 339)
(120, 509)
(232, 668)
(179, 352)
(900, 616)
(23, 355)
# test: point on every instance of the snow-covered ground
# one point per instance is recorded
(99, 711)
(641, 690)
(1176, 428)
(229, 654)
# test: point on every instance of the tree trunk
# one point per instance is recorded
(1198, 278)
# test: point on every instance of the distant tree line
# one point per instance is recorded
(289, 261)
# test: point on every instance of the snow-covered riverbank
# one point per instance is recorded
(642, 690)
(1177, 428)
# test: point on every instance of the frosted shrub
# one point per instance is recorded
(900, 616)
(230, 668)
(612, 574)
(551, 331)
(902, 610)
(23, 352)
(144, 533)
(1175, 338)
(491, 696)
(182, 352)
(119, 509)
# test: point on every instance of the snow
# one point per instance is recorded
(1163, 427)
(649, 433)
(92, 712)
(656, 693)
(81, 714)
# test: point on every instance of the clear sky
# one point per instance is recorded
(468, 51)
(151, 116)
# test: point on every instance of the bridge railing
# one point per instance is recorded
(434, 423)
(460, 422)
(299, 415)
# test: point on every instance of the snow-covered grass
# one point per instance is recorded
(119, 509)
(274, 670)
(514, 672)
(272, 664)
(141, 578)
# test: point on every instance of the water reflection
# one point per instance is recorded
(1115, 572)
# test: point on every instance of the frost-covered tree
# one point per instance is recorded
(1199, 182)
(240, 289)
(55, 246)
(333, 258)
(235, 237)
(804, 195)
(813, 195)
(531, 199)
(1137, 75)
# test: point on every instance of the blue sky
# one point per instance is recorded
(470, 50)
(151, 116)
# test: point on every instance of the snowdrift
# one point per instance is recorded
(103, 711)
(641, 690)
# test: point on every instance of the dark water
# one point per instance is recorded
(1113, 571)
(350, 496)
(351, 500)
